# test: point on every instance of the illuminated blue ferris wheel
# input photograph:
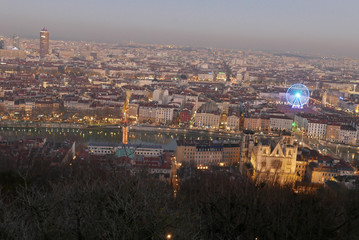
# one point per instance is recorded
(297, 95)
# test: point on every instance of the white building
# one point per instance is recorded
(101, 149)
(208, 154)
(187, 97)
(233, 122)
(149, 151)
(208, 116)
(347, 135)
(160, 96)
(207, 120)
(129, 149)
(164, 114)
(317, 129)
(147, 113)
(280, 123)
(155, 113)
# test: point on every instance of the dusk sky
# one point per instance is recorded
(317, 26)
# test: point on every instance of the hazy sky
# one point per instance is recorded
(311, 26)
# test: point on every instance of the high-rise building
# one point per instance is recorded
(16, 41)
(44, 42)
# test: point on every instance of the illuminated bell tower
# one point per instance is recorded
(125, 131)
(125, 125)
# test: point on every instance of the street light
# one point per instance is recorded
(169, 236)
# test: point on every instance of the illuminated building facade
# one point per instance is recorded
(275, 160)
(205, 153)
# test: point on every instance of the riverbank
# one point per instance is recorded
(144, 128)
(164, 136)
(183, 130)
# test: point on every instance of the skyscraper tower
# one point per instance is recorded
(44, 42)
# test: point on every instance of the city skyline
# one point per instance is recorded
(321, 27)
(179, 119)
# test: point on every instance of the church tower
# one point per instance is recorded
(125, 125)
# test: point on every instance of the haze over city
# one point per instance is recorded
(309, 27)
(179, 120)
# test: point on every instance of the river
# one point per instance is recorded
(105, 135)
(167, 138)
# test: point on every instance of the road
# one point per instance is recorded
(314, 144)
